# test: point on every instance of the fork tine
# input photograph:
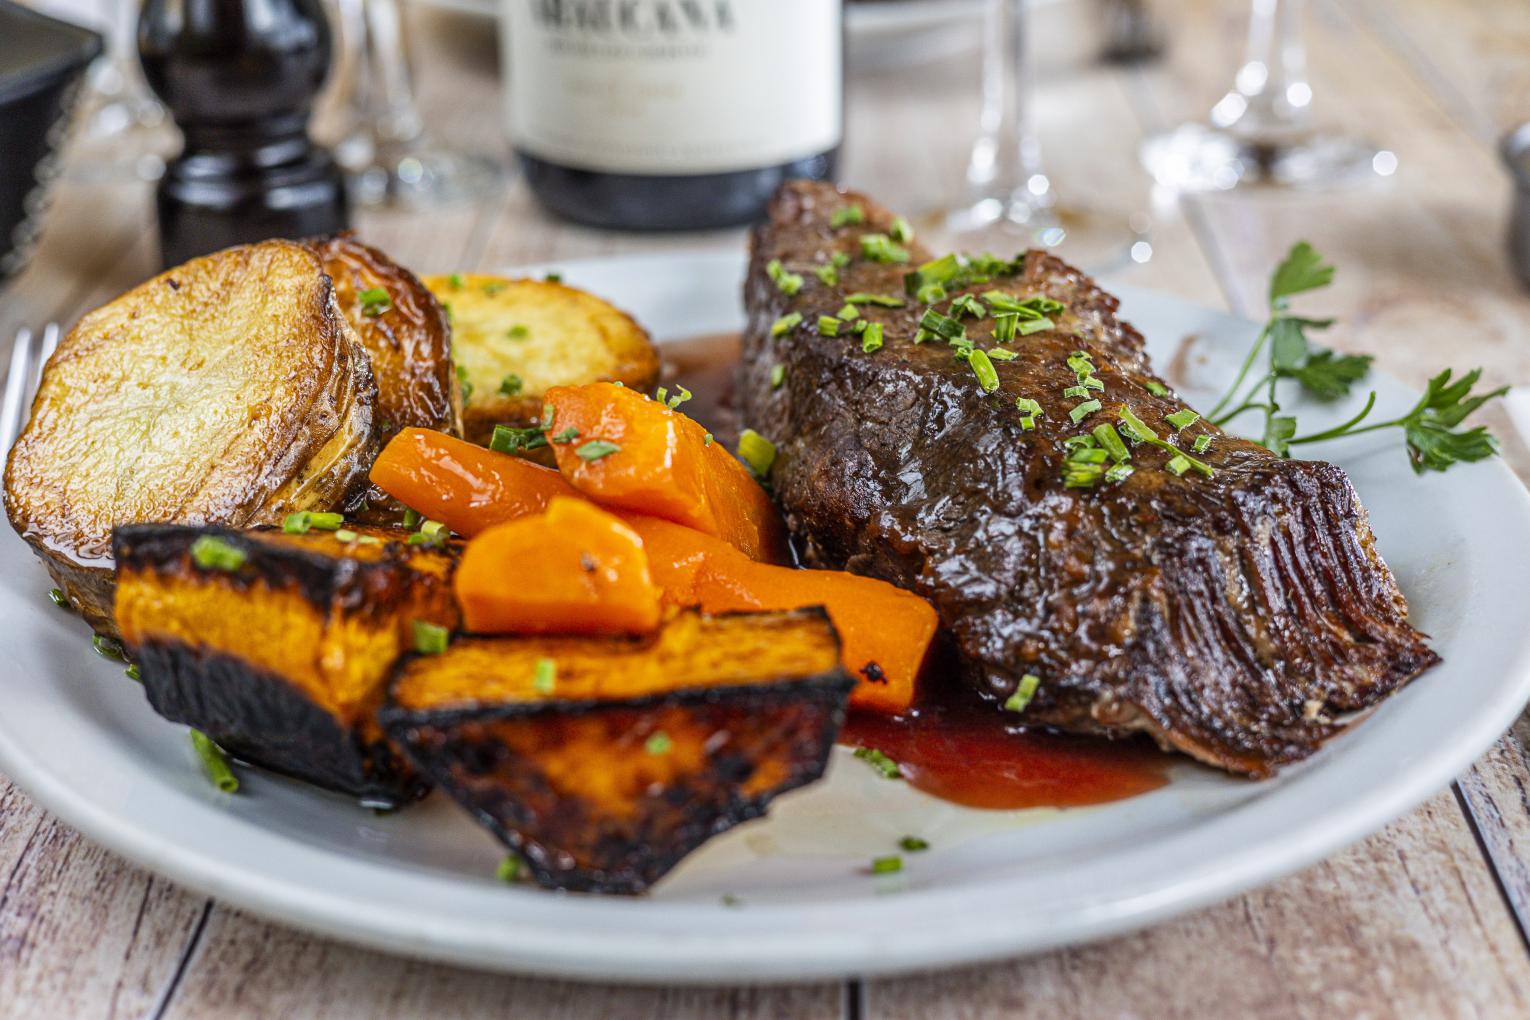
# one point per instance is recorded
(17, 381)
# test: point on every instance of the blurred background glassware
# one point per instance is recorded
(389, 156)
(1009, 201)
(1516, 156)
(1262, 130)
(124, 133)
(42, 61)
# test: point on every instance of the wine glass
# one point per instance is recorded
(123, 132)
(1009, 199)
(389, 156)
(1261, 131)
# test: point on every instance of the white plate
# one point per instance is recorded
(80, 738)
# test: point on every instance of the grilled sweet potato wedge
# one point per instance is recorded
(229, 390)
(602, 762)
(279, 646)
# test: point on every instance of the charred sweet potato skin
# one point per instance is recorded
(283, 661)
(604, 785)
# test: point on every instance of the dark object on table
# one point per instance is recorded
(1241, 618)
(240, 78)
(1130, 33)
(41, 61)
(1516, 156)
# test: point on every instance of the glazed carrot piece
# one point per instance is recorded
(573, 569)
(465, 487)
(884, 631)
(636, 454)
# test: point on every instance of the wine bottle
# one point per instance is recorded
(672, 114)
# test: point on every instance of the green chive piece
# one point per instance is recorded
(412, 518)
(942, 326)
(464, 384)
(839, 260)
(913, 844)
(58, 598)
(215, 762)
(921, 335)
(730, 900)
(1178, 464)
(706, 440)
(432, 528)
(107, 648)
(901, 230)
(828, 274)
(375, 301)
(879, 761)
(511, 385)
(455, 280)
(757, 453)
(213, 553)
(518, 332)
(871, 338)
(659, 743)
(966, 304)
(1108, 438)
(494, 287)
(546, 676)
(880, 248)
(1182, 419)
(784, 323)
(1135, 428)
(1118, 472)
(861, 297)
(565, 437)
(1006, 326)
(430, 638)
(298, 523)
(987, 375)
(848, 312)
(681, 396)
(1025, 690)
(509, 869)
(1092, 383)
(596, 449)
(847, 215)
(859, 326)
(553, 276)
(1028, 409)
(889, 865)
(1080, 392)
(1084, 410)
(1000, 354)
(1035, 326)
(930, 293)
(346, 535)
(828, 325)
(1156, 388)
(777, 376)
(1202, 443)
(787, 283)
(134, 674)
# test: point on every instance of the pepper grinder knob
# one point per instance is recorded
(239, 77)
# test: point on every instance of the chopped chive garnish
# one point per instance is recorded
(430, 638)
(1182, 419)
(1000, 354)
(966, 304)
(880, 248)
(859, 326)
(509, 869)
(828, 274)
(787, 283)
(784, 323)
(1084, 410)
(58, 598)
(1006, 326)
(680, 396)
(596, 449)
(941, 325)
(432, 528)
(1092, 383)
(455, 280)
(1156, 388)
(1178, 464)
(511, 385)
(1028, 409)
(757, 453)
(464, 384)
(1135, 428)
(901, 230)
(659, 743)
(839, 260)
(848, 312)
(412, 518)
(913, 844)
(921, 335)
(889, 865)
(518, 332)
(706, 440)
(346, 535)
(545, 677)
(871, 338)
(494, 287)
(1118, 472)
(215, 762)
(1110, 440)
(828, 325)
(1086, 442)
(1035, 326)
(134, 673)
(213, 553)
(936, 272)
(777, 376)
(107, 648)
(847, 215)
(1025, 690)
(553, 276)
(879, 761)
(1202, 443)
(1081, 392)
(881, 300)
(987, 375)
(565, 437)
(375, 301)
(930, 293)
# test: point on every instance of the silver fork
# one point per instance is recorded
(28, 356)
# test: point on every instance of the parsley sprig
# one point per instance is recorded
(1431, 427)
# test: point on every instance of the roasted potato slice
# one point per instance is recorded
(279, 646)
(228, 390)
(602, 762)
(513, 339)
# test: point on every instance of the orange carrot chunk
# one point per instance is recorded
(465, 487)
(636, 454)
(574, 569)
(884, 631)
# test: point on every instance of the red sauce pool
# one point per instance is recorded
(950, 745)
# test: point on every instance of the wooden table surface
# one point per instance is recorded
(1427, 918)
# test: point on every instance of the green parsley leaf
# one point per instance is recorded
(1302, 270)
(1329, 376)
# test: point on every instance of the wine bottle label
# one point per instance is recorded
(673, 86)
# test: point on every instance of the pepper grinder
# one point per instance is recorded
(239, 77)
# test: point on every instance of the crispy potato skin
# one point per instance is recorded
(570, 337)
(227, 390)
(572, 779)
(284, 661)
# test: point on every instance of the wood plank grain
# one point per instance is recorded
(1406, 924)
(252, 970)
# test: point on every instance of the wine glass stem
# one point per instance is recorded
(1006, 159)
(1270, 99)
(387, 85)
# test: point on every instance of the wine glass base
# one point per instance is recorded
(1095, 240)
(424, 176)
(1198, 157)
